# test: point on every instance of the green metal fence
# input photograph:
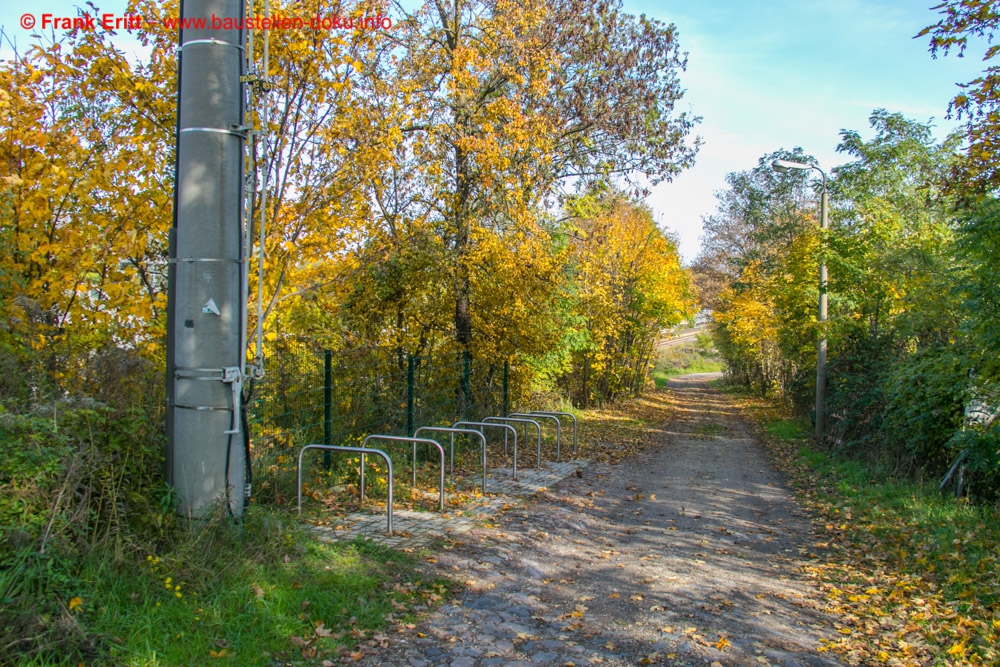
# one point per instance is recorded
(338, 398)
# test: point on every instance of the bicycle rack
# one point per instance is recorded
(363, 450)
(537, 415)
(560, 414)
(452, 432)
(506, 427)
(522, 420)
(415, 441)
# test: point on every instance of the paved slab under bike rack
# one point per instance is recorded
(414, 529)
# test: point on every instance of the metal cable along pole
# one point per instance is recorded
(206, 332)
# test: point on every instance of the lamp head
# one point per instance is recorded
(785, 166)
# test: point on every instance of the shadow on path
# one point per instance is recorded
(689, 554)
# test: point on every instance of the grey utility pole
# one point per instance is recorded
(206, 462)
(824, 224)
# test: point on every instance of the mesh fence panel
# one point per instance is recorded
(370, 392)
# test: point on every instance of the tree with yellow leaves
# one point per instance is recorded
(86, 201)
(629, 286)
(503, 101)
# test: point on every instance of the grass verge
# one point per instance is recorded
(264, 592)
(912, 575)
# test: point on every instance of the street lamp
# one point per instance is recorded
(785, 166)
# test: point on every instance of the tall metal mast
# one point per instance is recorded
(205, 328)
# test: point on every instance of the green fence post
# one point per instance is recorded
(506, 388)
(466, 383)
(410, 363)
(327, 405)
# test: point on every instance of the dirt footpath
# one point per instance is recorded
(689, 554)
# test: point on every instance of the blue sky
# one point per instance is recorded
(763, 75)
(778, 74)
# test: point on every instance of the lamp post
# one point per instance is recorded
(784, 166)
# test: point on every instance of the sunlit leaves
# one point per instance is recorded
(86, 194)
(978, 103)
(630, 286)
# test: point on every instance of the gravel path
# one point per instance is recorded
(689, 554)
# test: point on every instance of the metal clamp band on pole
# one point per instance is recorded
(211, 41)
(339, 448)
(545, 416)
(560, 414)
(522, 420)
(506, 427)
(415, 441)
(191, 369)
(179, 260)
(452, 431)
(232, 376)
(202, 407)
(217, 130)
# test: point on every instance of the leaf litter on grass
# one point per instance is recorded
(912, 576)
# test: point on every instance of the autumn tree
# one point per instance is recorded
(628, 285)
(507, 100)
(901, 361)
(978, 102)
(86, 199)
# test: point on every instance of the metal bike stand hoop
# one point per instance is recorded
(362, 451)
(560, 414)
(452, 431)
(537, 415)
(522, 420)
(415, 441)
(506, 427)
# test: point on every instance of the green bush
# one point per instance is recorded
(71, 472)
(856, 394)
(925, 397)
